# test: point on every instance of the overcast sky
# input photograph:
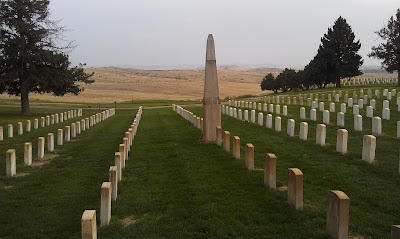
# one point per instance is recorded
(276, 33)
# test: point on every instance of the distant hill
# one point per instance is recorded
(372, 69)
(266, 70)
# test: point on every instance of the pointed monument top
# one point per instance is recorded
(210, 54)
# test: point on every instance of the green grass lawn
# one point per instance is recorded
(98, 106)
(188, 189)
(174, 186)
(48, 201)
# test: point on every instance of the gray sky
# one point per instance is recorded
(279, 33)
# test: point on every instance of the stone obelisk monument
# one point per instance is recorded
(211, 101)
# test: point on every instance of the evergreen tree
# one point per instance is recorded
(314, 73)
(337, 56)
(30, 60)
(287, 80)
(389, 51)
(267, 82)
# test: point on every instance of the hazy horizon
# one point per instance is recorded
(171, 33)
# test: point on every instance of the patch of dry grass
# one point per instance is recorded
(123, 84)
(119, 84)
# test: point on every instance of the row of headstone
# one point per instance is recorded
(369, 141)
(338, 202)
(44, 121)
(189, 116)
(233, 112)
(376, 121)
(368, 81)
(70, 131)
(358, 119)
(334, 96)
(321, 107)
(109, 190)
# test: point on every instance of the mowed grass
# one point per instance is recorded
(174, 186)
(48, 201)
(95, 106)
(372, 188)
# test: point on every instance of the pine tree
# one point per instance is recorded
(389, 51)
(267, 82)
(337, 55)
(30, 60)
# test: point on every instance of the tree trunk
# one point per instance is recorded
(338, 85)
(398, 78)
(25, 101)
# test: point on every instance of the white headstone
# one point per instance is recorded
(340, 119)
(361, 103)
(303, 131)
(253, 116)
(284, 110)
(385, 104)
(277, 109)
(313, 105)
(343, 107)
(321, 134)
(370, 112)
(50, 142)
(268, 122)
(11, 168)
(28, 153)
(376, 126)
(28, 126)
(325, 117)
(41, 147)
(246, 115)
(356, 110)
(278, 123)
(398, 129)
(357, 122)
(372, 103)
(341, 141)
(10, 131)
(313, 114)
(290, 127)
(332, 107)
(386, 114)
(302, 113)
(260, 119)
(369, 146)
(350, 102)
(321, 106)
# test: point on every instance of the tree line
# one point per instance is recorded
(337, 58)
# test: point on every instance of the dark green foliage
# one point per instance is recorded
(268, 83)
(314, 74)
(337, 56)
(288, 80)
(30, 60)
(389, 51)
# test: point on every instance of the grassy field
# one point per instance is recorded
(48, 201)
(94, 106)
(174, 186)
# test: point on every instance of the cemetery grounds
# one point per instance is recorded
(175, 186)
